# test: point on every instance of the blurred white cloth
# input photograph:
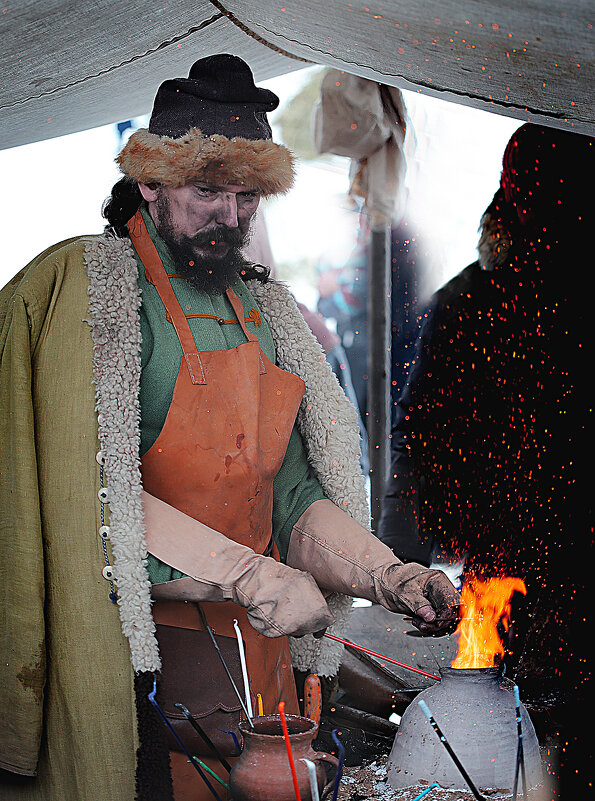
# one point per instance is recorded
(367, 122)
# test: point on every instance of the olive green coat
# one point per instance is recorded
(63, 642)
(70, 366)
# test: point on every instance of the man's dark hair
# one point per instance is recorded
(121, 205)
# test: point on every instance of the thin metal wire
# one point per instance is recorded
(180, 742)
(204, 736)
(380, 656)
(224, 663)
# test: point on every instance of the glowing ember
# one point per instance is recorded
(485, 604)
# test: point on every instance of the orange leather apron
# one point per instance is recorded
(223, 442)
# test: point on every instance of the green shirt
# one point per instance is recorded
(295, 486)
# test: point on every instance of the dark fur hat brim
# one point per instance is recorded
(258, 164)
(494, 242)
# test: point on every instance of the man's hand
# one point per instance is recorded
(279, 600)
(428, 595)
(344, 557)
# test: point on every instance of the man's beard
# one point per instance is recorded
(206, 273)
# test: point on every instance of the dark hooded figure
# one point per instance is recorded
(488, 451)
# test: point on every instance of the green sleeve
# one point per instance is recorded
(159, 571)
(295, 487)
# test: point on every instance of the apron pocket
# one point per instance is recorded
(192, 674)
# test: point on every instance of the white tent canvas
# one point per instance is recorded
(69, 67)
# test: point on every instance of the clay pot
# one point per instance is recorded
(262, 771)
(476, 712)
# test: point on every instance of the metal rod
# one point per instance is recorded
(224, 663)
(380, 656)
(211, 771)
(339, 775)
(296, 787)
(425, 792)
(379, 364)
(424, 708)
(520, 756)
(234, 738)
(244, 668)
(313, 780)
(180, 742)
(199, 730)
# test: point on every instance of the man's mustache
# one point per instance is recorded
(218, 235)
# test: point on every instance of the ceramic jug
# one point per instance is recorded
(262, 771)
(475, 710)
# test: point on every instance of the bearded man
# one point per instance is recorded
(178, 459)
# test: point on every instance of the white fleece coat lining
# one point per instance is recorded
(326, 419)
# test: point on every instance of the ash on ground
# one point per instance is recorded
(369, 782)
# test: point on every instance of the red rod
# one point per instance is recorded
(289, 751)
(380, 656)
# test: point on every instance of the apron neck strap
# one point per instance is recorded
(145, 247)
(155, 271)
(239, 312)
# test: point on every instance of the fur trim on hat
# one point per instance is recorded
(255, 163)
(494, 243)
(495, 238)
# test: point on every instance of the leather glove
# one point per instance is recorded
(280, 600)
(344, 557)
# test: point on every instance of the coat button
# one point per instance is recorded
(100, 458)
(103, 495)
(108, 573)
(104, 532)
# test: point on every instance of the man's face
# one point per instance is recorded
(205, 227)
(193, 211)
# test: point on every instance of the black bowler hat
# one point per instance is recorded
(219, 96)
(211, 126)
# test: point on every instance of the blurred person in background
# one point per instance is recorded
(344, 297)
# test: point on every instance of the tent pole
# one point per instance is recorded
(379, 322)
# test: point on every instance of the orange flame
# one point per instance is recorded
(485, 603)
